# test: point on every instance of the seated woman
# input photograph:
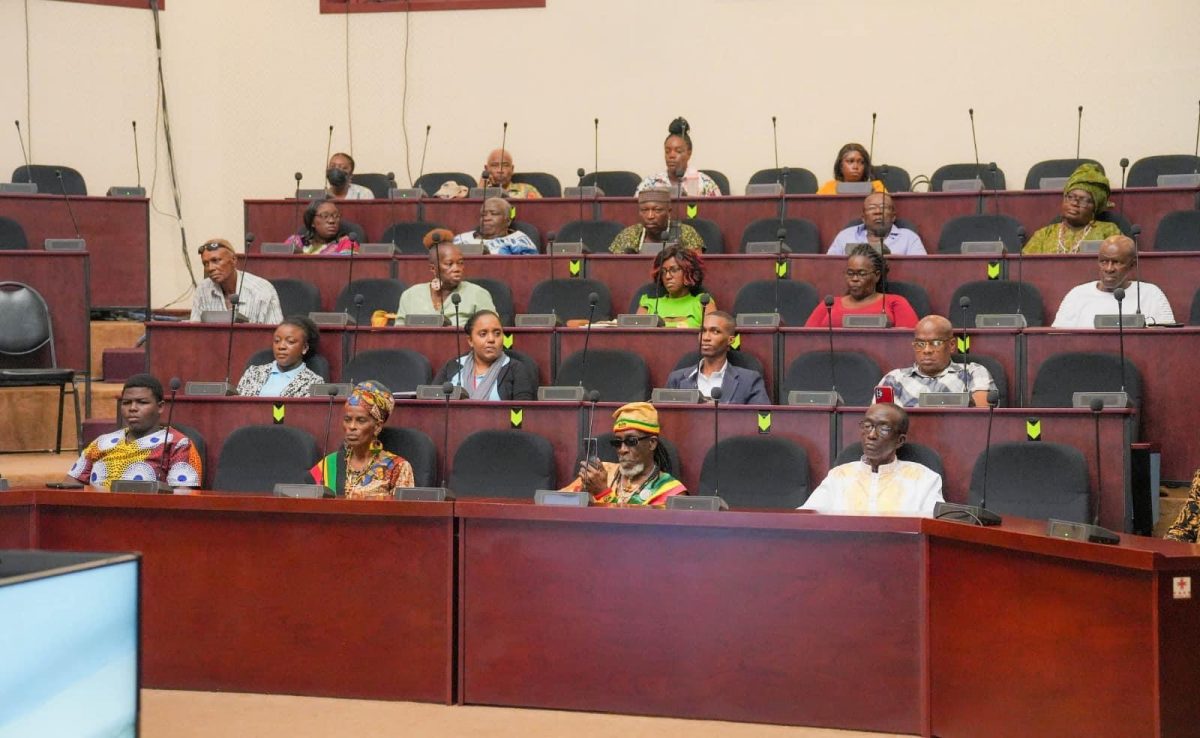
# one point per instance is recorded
(448, 268)
(361, 469)
(495, 232)
(654, 209)
(853, 164)
(677, 151)
(865, 269)
(486, 372)
(295, 340)
(678, 276)
(322, 229)
(1084, 197)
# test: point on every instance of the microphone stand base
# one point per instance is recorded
(208, 389)
(815, 397)
(972, 514)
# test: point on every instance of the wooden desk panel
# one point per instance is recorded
(17, 520)
(330, 274)
(63, 280)
(117, 231)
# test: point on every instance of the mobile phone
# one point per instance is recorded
(64, 485)
(884, 394)
(591, 451)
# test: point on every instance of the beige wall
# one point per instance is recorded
(254, 84)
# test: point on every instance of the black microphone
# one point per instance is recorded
(1124, 164)
(1119, 296)
(328, 148)
(62, 186)
(353, 252)
(24, 153)
(581, 174)
(1196, 152)
(992, 169)
(1078, 133)
(775, 137)
(503, 141)
(993, 397)
(1020, 267)
(391, 178)
(424, 149)
(977, 514)
(332, 390)
(832, 367)
(716, 399)
(783, 175)
(164, 466)
(456, 299)
(593, 298)
(596, 150)
(297, 214)
(871, 148)
(1135, 231)
(674, 230)
(550, 251)
(137, 160)
(964, 304)
(447, 391)
(704, 298)
(234, 301)
(1097, 406)
(978, 168)
(780, 261)
(358, 304)
(245, 264)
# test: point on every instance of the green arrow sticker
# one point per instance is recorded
(575, 266)
(764, 422)
(692, 209)
(516, 415)
(512, 213)
(508, 340)
(278, 411)
(964, 344)
(993, 270)
(781, 269)
(736, 343)
(1033, 429)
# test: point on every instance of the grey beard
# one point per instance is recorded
(631, 469)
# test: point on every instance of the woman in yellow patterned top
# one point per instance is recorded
(362, 469)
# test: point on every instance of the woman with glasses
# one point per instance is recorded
(640, 476)
(678, 275)
(865, 270)
(1085, 197)
(322, 231)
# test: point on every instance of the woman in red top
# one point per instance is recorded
(865, 269)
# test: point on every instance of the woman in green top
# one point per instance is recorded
(678, 275)
(1084, 198)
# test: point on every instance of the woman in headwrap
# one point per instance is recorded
(361, 469)
(1084, 197)
(486, 372)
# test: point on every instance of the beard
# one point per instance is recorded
(631, 469)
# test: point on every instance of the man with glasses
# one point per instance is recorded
(878, 228)
(640, 476)
(498, 172)
(933, 370)
(879, 482)
(258, 302)
(1117, 258)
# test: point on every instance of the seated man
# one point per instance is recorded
(257, 300)
(879, 482)
(498, 172)
(933, 371)
(879, 229)
(738, 386)
(654, 208)
(137, 451)
(639, 477)
(1118, 255)
(340, 174)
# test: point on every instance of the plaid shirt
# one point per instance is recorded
(908, 383)
(259, 301)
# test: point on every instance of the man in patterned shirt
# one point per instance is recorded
(640, 476)
(933, 371)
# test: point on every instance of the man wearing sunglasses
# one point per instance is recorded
(258, 302)
(933, 371)
(639, 477)
(879, 482)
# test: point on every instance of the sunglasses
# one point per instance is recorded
(628, 441)
(210, 246)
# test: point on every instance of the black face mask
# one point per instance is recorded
(337, 177)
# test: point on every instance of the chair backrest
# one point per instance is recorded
(608, 453)
(1178, 231)
(894, 178)
(529, 229)
(994, 367)
(1033, 480)
(378, 294)
(1062, 375)
(25, 326)
(1194, 318)
(596, 235)
(400, 370)
(619, 376)
(254, 458)
(991, 180)
(616, 183)
(378, 184)
(502, 463)
(802, 234)
(739, 359)
(914, 293)
(547, 184)
(764, 472)
(407, 236)
(502, 297)
(535, 371)
(796, 299)
(914, 452)
(568, 298)
(991, 296)
(297, 296)
(714, 242)
(433, 181)
(856, 376)
(1054, 168)
(12, 235)
(315, 362)
(719, 178)
(354, 230)
(1145, 171)
(799, 181)
(45, 176)
(417, 448)
(980, 228)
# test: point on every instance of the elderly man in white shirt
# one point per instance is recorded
(1117, 259)
(879, 482)
(258, 302)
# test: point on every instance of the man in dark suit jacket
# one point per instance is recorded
(738, 386)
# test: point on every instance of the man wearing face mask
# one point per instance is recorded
(878, 228)
(339, 174)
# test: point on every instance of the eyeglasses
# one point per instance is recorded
(936, 343)
(883, 430)
(873, 209)
(859, 273)
(672, 270)
(628, 441)
(333, 217)
(1083, 201)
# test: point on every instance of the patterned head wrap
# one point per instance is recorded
(640, 416)
(1091, 180)
(376, 398)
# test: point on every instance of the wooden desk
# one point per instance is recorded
(63, 280)
(330, 274)
(117, 231)
(331, 598)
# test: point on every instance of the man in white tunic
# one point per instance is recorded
(879, 482)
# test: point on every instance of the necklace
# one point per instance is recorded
(626, 490)
(355, 477)
(1062, 232)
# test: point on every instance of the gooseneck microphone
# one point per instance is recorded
(332, 393)
(978, 169)
(775, 138)
(871, 148)
(353, 253)
(581, 174)
(1135, 231)
(234, 301)
(596, 150)
(1124, 165)
(1119, 296)
(716, 399)
(455, 300)
(137, 160)
(704, 298)
(1078, 132)
(165, 463)
(780, 262)
(1097, 406)
(964, 304)
(328, 148)
(358, 305)
(1196, 152)
(832, 356)
(62, 186)
(993, 397)
(296, 194)
(447, 391)
(503, 141)
(593, 298)
(1020, 267)
(24, 152)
